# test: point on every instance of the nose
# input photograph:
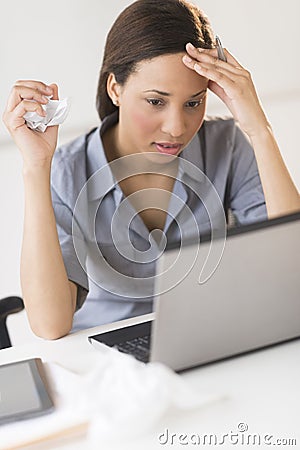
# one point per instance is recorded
(174, 123)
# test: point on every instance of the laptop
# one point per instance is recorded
(251, 301)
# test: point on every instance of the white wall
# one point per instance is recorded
(62, 41)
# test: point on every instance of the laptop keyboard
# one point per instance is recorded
(133, 339)
(138, 347)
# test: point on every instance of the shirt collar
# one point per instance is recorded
(193, 153)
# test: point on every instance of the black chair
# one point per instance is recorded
(8, 305)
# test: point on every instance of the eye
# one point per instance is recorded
(155, 101)
(194, 103)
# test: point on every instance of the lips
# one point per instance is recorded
(168, 148)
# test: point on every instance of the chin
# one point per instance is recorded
(159, 158)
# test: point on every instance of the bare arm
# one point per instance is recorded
(281, 195)
(49, 296)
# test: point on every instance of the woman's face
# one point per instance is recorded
(161, 107)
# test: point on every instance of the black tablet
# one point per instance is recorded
(23, 391)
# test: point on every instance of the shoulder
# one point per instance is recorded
(223, 135)
(69, 167)
(219, 121)
(69, 154)
(219, 128)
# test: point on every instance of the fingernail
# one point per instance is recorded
(187, 59)
(45, 98)
(197, 68)
(191, 45)
(49, 89)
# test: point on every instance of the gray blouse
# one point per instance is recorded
(82, 176)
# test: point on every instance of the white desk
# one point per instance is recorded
(262, 389)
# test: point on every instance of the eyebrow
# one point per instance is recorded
(167, 94)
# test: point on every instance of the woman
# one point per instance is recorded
(160, 60)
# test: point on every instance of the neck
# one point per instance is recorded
(143, 162)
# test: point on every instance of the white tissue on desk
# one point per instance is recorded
(131, 397)
(118, 394)
(56, 113)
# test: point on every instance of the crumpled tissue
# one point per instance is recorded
(122, 394)
(56, 113)
(117, 402)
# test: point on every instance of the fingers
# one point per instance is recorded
(28, 90)
(211, 71)
(27, 96)
(209, 59)
(206, 62)
(54, 88)
(36, 85)
(230, 81)
(29, 106)
(15, 119)
(217, 89)
(231, 78)
(212, 54)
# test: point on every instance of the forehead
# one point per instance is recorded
(166, 73)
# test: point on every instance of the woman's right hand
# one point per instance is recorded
(37, 148)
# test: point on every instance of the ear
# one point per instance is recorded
(113, 89)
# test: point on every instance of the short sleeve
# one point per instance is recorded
(246, 196)
(74, 269)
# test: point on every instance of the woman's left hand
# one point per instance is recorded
(232, 84)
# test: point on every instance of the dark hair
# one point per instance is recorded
(144, 30)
